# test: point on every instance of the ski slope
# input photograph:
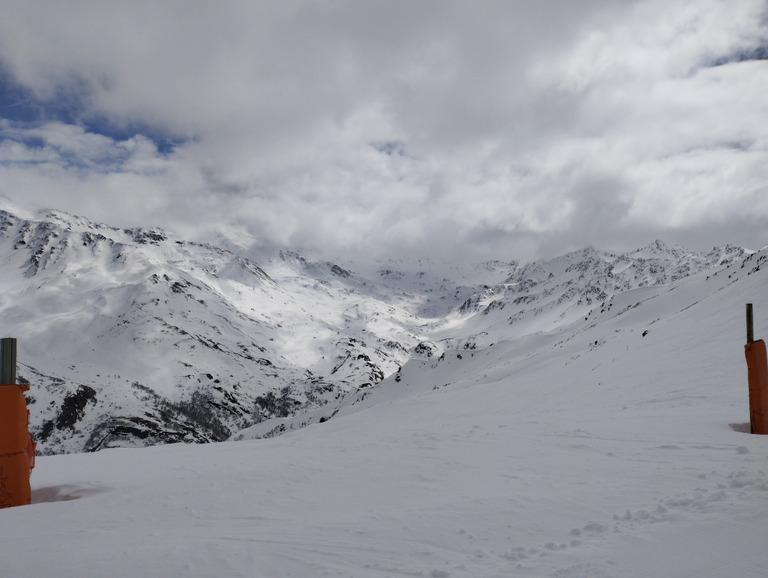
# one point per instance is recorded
(610, 447)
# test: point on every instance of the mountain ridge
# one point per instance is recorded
(134, 337)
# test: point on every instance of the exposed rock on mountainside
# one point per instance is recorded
(134, 337)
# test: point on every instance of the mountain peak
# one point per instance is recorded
(135, 337)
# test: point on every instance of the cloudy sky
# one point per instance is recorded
(510, 129)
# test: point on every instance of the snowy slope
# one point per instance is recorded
(549, 294)
(609, 446)
(133, 337)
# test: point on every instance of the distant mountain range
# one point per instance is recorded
(133, 337)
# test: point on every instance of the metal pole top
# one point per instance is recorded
(8, 360)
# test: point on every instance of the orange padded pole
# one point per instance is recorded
(15, 461)
(757, 375)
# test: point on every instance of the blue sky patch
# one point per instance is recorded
(70, 105)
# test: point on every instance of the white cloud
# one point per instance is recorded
(490, 129)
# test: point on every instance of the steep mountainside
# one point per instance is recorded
(134, 337)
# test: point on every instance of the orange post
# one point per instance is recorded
(17, 450)
(16, 461)
(757, 375)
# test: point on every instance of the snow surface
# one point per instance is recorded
(613, 446)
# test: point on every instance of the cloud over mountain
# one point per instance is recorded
(491, 129)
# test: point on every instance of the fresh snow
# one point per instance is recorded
(610, 445)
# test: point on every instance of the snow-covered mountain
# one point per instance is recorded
(545, 295)
(135, 337)
(610, 444)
